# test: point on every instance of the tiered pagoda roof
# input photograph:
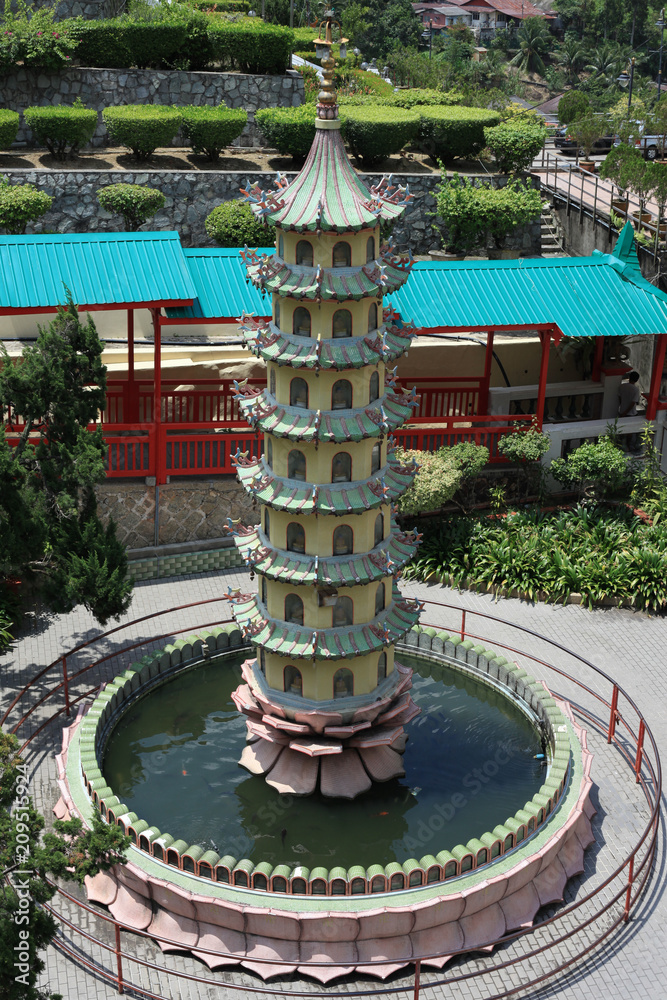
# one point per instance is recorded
(335, 571)
(350, 352)
(382, 276)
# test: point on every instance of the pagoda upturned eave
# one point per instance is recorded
(378, 277)
(340, 354)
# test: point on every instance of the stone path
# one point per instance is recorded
(629, 646)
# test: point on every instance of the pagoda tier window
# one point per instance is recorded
(343, 540)
(272, 383)
(379, 599)
(276, 312)
(379, 530)
(294, 609)
(341, 395)
(301, 322)
(263, 590)
(382, 667)
(281, 246)
(296, 537)
(376, 458)
(296, 465)
(298, 393)
(343, 613)
(341, 325)
(292, 680)
(370, 249)
(341, 468)
(343, 683)
(372, 317)
(267, 524)
(269, 453)
(304, 253)
(374, 387)
(262, 661)
(342, 255)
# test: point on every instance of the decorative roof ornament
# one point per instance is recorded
(327, 107)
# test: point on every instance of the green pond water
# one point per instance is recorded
(470, 764)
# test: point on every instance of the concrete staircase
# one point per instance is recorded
(552, 240)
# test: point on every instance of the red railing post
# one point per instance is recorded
(463, 624)
(418, 969)
(119, 960)
(640, 750)
(66, 685)
(613, 714)
(628, 892)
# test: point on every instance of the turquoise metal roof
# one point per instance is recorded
(106, 270)
(222, 286)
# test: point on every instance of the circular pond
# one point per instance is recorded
(470, 762)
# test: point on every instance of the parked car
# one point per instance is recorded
(650, 145)
(567, 144)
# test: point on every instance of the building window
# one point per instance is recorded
(262, 590)
(343, 541)
(475, 17)
(343, 683)
(341, 468)
(296, 465)
(298, 393)
(374, 390)
(341, 395)
(272, 383)
(341, 325)
(378, 534)
(267, 524)
(372, 317)
(281, 246)
(376, 458)
(296, 537)
(343, 612)
(269, 452)
(294, 609)
(262, 661)
(304, 253)
(301, 322)
(382, 667)
(276, 313)
(342, 255)
(292, 681)
(370, 249)
(379, 599)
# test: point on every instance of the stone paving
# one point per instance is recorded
(629, 646)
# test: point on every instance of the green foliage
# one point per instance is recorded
(593, 470)
(616, 165)
(534, 42)
(221, 6)
(21, 204)
(455, 199)
(304, 39)
(233, 224)
(349, 80)
(75, 852)
(251, 47)
(62, 129)
(573, 104)
(374, 133)
(446, 132)
(289, 130)
(36, 39)
(143, 128)
(595, 552)
(355, 22)
(524, 446)
(391, 26)
(311, 83)
(50, 533)
(515, 143)
(587, 130)
(649, 488)
(500, 210)
(440, 475)
(420, 96)
(9, 127)
(209, 130)
(135, 202)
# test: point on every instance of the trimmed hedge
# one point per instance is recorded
(135, 202)
(424, 96)
(289, 130)
(9, 127)
(233, 224)
(62, 129)
(143, 128)
(21, 204)
(251, 48)
(374, 133)
(447, 132)
(515, 143)
(209, 130)
(222, 6)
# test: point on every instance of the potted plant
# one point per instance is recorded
(614, 168)
(659, 173)
(641, 178)
(459, 231)
(499, 210)
(586, 131)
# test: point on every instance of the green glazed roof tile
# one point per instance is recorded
(379, 277)
(342, 353)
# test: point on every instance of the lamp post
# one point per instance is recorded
(624, 79)
(430, 38)
(660, 23)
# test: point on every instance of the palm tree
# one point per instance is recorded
(571, 57)
(534, 42)
(605, 63)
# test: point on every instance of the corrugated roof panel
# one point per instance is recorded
(99, 269)
(221, 286)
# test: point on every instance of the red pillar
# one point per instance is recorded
(483, 405)
(656, 376)
(158, 442)
(131, 399)
(545, 337)
(597, 359)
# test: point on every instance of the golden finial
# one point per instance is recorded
(326, 99)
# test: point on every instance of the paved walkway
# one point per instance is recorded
(630, 646)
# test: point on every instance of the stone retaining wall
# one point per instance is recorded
(192, 195)
(100, 88)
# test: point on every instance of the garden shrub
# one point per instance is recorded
(37, 39)
(21, 204)
(447, 132)
(221, 6)
(9, 127)
(62, 129)
(515, 143)
(499, 210)
(209, 130)
(135, 202)
(255, 47)
(154, 43)
(374, 133)
(360, 81)
(289, 130)
(573, 104)
(594, 470)
(233, 224)
(143, 128)
(104, 44)
(440, 475)
(304, 40)
(423, 96)
(455, 201)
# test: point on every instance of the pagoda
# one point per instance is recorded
(326, 700)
